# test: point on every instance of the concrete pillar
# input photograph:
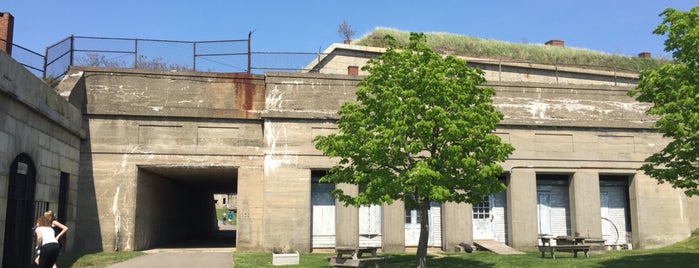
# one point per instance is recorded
(633, 211)
(250, 209)
(521, 209)
(457, 225)
(584, 193)
(7, 22)
(346, 219)
(658, 213)
(393, 227)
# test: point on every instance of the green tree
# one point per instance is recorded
(421, 130)
(673, 91)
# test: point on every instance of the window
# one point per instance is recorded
(482, 209)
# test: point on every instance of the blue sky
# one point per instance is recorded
(613, 26)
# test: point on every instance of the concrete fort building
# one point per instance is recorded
(132, 158)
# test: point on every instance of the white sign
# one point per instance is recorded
(22, 168)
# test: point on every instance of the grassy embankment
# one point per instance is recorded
(468, 46)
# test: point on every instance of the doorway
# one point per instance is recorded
(553, 205)
(483, 219)
(322, 211)
(20, 212)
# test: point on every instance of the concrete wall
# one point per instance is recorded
(37, 121)
(581, 130)
(186, 121)
(338, 57)
(263, 128)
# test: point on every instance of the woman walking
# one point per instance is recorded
(48, 240)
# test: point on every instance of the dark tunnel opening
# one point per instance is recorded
(175, 207)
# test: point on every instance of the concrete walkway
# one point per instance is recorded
(212, 252)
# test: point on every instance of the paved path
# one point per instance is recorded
(212, 252)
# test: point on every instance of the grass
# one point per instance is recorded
(220, 211)
(487, 259)
(681, 254)
(461, 45)
(95, 260)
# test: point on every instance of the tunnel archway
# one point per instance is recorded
(175, 206)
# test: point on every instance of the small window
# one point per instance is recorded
(482, 209)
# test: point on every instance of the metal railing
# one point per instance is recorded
(216, 56)
(207, 56)
(33, 61)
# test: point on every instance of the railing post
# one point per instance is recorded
(135, 53)
(249, 53)
(194, 57)
(72, 48)
(46, 56)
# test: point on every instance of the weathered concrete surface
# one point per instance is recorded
(160, 144)
(537, 104)
(585, 214)
(38, 122)
(163, 130)
(338, 57)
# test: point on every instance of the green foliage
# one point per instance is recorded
(52, 81)
(420, 131)
(673, 90)
(451, 44)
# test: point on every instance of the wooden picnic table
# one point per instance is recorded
(563, 240)
(564, 243)
(355, 257)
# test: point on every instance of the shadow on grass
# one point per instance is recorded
(402, 260)
(68, 259)
(683, 259)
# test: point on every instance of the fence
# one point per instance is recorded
(33, 61)
(206, 56)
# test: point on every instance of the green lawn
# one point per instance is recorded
(682, 254)
(220, 211)
(638, 258)
(95, 260)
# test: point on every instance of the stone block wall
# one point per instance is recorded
(36, 121)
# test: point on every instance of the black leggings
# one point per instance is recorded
(49, 254)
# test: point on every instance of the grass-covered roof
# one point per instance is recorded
(468, 46)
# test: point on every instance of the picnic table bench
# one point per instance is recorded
(354, 257)
(565, 248)
(566, 244)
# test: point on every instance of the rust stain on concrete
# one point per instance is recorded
(245, 89)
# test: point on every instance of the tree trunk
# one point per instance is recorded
(423, 209)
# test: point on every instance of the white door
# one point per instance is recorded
(323, 215)
(483, 219)
(543, 209)
(412, 226)
(613, 211)
(370, 226)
